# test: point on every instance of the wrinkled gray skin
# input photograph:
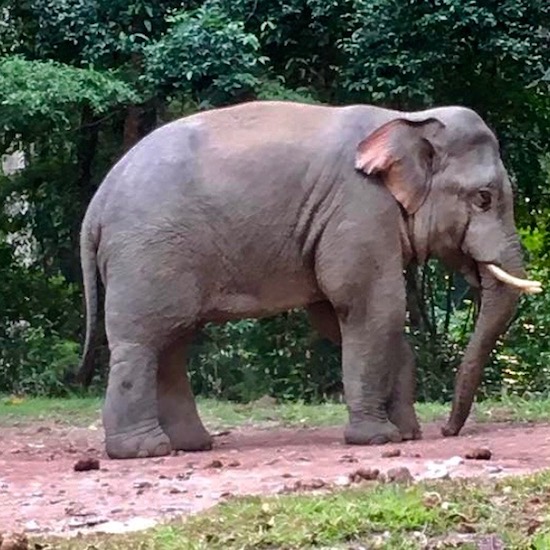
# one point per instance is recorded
(251, 210)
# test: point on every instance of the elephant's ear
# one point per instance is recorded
(402, 152)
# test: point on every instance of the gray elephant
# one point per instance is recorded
(254, 209)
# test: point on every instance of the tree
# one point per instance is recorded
(206, 56)
(489, 56)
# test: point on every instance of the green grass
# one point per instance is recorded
(225, 415)
(70, 410)
(373, 515)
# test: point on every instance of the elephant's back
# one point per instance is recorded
(241, 161)
(205, 147)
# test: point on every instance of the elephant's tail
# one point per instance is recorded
(88, 257)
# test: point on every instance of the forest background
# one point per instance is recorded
(82, 80)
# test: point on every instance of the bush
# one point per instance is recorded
(39, 322)
(280, 356)
(35, 362)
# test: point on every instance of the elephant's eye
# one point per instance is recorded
(483, 200)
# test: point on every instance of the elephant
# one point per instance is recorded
(252, 209)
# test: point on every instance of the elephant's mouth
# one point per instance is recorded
(527, 286)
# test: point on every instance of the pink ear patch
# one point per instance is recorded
(396, 150)
(373, 153)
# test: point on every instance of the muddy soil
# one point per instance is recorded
(40, 492)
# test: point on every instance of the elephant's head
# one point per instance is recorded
(444, 167)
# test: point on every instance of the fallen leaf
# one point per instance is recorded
(14, 400)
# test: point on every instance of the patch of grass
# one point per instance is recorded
(513, 511)
(223, 414)
(302, 521)
(70, 410)
(226, 414)
(511, 408)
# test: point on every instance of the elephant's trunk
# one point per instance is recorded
(498, 305)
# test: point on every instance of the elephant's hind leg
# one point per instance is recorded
(130, 414)
(178, 413)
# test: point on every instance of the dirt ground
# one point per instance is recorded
(40, 491)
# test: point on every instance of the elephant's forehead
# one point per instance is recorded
(463, 127)
(476, 165)
(458, 117)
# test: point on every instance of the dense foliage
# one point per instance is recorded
(81, 81)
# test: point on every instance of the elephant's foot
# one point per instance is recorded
(188, 437)
(138, 445)
(404, 417)
(371, 432)
(450, 429)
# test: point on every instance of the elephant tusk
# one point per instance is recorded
(525, 285)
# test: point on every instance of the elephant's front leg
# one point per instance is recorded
(367, 291)
(401, 411)
(401, 404)
(369, 376)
